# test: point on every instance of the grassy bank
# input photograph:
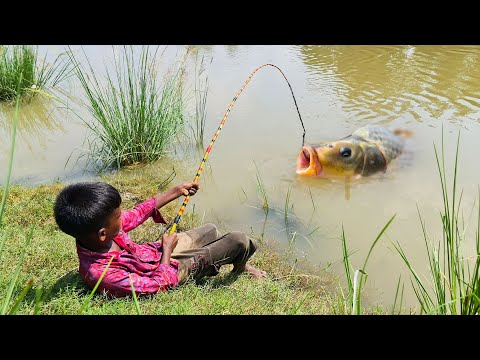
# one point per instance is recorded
(51, 263)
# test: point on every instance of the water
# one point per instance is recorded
(338, 89)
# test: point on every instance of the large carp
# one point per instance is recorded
(365, 152)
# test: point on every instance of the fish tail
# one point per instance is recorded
(403, 132)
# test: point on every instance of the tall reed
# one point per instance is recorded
(454, 284)
(135, 117)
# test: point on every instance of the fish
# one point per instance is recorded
(367, 151)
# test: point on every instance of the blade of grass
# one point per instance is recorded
(38, 300)
(20, 297)
(87, 300)
(422, 294)
(13, 282)
(396, 296)
(363, 272)
(286, 209)
(311, 198)
(346, 263)
(356, 292)
(376, 240)
(401, 300)
(2, 243)
(261, 189)
(134, 295)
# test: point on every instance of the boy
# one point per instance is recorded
(91, 213)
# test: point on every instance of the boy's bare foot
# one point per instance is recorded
(254, 272)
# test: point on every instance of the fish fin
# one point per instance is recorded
(403, 132)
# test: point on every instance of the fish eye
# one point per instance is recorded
(345, 151)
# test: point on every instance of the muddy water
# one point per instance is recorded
(338, 89)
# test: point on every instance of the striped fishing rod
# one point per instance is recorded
(209, 148)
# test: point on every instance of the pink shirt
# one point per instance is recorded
(140, 263)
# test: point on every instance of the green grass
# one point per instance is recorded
(454, 283)
(37, 75)
(360, 276)
(135, 117)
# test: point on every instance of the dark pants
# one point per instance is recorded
(202, 251)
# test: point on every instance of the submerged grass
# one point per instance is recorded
(265, 207)
(294, 227)
(263, 192)
(454, 285)
(135, 117)
(37, 75)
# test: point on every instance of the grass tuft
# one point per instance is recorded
(135, 117)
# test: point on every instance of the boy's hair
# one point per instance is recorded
(83, 208)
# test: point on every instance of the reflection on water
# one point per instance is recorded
(35, 117)
(378, 83)
(341, 88)
(338, 90)
(47, 135)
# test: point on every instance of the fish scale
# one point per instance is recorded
(390, 144)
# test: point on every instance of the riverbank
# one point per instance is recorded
(51, 262)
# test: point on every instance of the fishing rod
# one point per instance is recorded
(209, 148)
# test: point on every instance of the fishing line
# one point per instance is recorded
(209, 148)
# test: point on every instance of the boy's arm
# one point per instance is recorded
(117, 282)
(188, 188)
(136, 216)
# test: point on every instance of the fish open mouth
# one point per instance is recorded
(307, 162)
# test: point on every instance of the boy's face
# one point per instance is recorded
(113, 226)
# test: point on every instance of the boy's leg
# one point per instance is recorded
(196, 238)
(232, 248)
(190, 249)
(190, 261)
(235, 248)
(203, 235)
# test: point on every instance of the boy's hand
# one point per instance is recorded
(169, 242)
(188, 188)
